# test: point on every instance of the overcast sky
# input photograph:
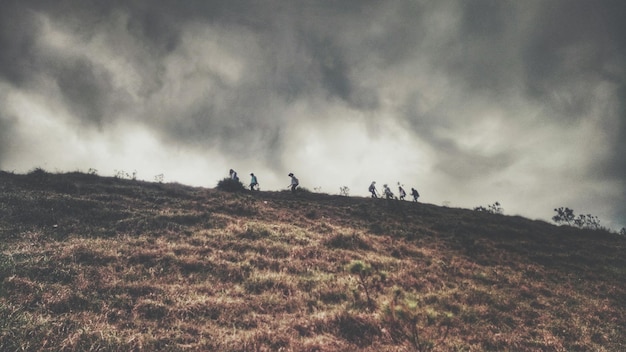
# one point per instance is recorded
(469, 101)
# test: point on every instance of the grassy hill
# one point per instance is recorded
(90, 263)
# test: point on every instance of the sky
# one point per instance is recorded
(468, 101)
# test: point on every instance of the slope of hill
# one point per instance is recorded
(90, 263)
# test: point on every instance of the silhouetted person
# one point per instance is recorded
(401, 192)
(387, 191)
(233, 175)
(372, 189)
(294, 182)
(415, 194)
(253, 182)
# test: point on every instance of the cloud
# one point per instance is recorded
(473, 101)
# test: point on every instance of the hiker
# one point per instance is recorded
(415, 194)
(294, 182)
(233, 175)
(401, 192)
(372, 189)
(387, 191)
(253, 182)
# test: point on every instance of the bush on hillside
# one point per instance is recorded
(588, 222)
(422, 327)
(566, 216)
(229, 185)
(494, 208)
(363, 271)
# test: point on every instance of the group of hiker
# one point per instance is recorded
(293, 185)
(389, 194)
(254, 182)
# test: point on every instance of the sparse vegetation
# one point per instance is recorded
(423, 328)
(90, 263)
(125, 175)
(588, 222)
(363, 272)
(229, 185)
(566, 216)
(344, 191)
(494, 208)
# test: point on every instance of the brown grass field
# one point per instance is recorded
(90, 263)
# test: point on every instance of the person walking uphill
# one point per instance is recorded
(387, 192)
(253, 182)
(415, 194)
(294, 182)
(372, 189)
(401, 192)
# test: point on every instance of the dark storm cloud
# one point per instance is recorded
(86, 89)
(17, 36)
(7, 125)
(320, 68)
(576, 43)
(574, 40)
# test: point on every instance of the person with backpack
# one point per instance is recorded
(372, 189)
(253, 182)
(294, 182)
(401, 192)
(387, 191)
(415, 194)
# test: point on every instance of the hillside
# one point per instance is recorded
(90, 263)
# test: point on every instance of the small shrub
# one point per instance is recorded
(229, 185)
(364, 272)
(344, 241)
(587, 222)
(494, 208)
(38, 176)
(405, 320)
(121, 174)
(38, 172)
(344, 191)
(564, 216)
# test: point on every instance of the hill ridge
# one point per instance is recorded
(98, 263)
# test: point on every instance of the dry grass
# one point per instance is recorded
(103, 264)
